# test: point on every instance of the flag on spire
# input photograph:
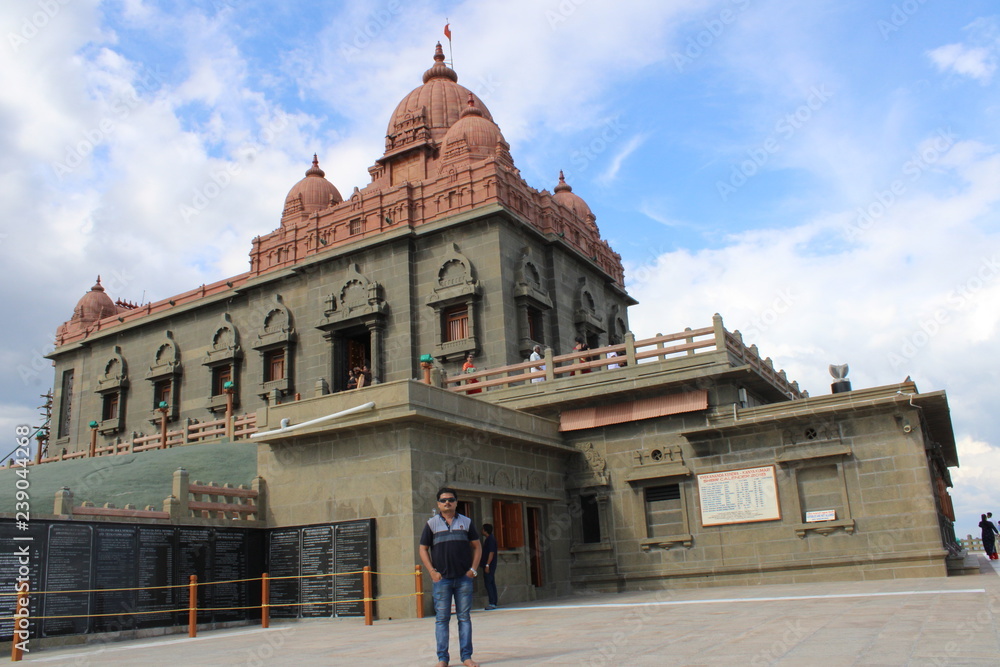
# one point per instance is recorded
(447, 31)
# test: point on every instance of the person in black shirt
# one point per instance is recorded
(450, 550)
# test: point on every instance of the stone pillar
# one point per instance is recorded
(376, 366)
(177, 503)
(260, 486)
(550, 367)
(322, 387)
(720, 333)
(630, 348)
(64, 502)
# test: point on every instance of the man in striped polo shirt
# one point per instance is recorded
(450, 550)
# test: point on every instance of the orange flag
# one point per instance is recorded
(447, 31)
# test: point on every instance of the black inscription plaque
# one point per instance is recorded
(352, 551)
(229, 562)
(16, 543)
(194, 556)
(115, 562)
(283, 561)
(67, 568)
(100, 560)
(155, 569)
(316, 584)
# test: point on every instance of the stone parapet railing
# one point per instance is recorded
(190, 433)
(662, 347)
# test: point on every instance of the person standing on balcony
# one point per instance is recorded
(581, 345)
(536, 355)
(470, 367)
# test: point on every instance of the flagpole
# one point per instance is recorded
(447, 33)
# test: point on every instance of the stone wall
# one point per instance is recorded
(859, 463)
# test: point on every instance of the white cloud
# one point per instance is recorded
(976, 57)
(976, 62)
(916, 293)
(611, 173)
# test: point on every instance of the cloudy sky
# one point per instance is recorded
(826, 175)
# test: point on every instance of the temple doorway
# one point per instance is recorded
(351, 349)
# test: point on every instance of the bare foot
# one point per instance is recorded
(470, 663)
(442, 663)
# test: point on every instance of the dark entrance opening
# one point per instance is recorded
(352, 348)
(590, 514)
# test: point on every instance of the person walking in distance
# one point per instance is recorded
(490, 566)
(450, 550)
(989, 536)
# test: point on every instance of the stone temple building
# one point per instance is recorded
(682, 459)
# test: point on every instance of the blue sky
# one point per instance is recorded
(824, 174)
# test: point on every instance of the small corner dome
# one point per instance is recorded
(480, 134)
(94, 305)
(315, 192)
(441, 95)
(564, 195)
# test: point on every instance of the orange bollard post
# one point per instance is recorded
(20, 611)
(367, 576)
(265, 601)
(420, 592)
(193, 606)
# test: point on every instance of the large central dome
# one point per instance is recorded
(441, 99)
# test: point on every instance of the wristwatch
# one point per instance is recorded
(474, 573)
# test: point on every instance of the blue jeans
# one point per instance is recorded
(461, 590)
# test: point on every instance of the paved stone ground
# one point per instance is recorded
(943, 621)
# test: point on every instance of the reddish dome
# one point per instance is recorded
(94, 305)
(442, 97)
(480, 135)
(565, 196)
(313, 193)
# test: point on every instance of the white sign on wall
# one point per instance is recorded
(738, 496)
(821, 515)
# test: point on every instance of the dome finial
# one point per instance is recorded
(470, 108)
(439, 69)
(314, 170)
(563, 186)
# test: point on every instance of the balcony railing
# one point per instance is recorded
(631, 353)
